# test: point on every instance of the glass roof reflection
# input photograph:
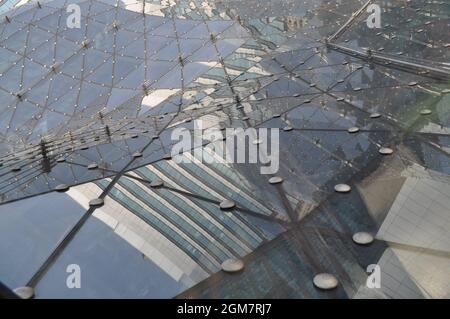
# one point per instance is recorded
(87, 114)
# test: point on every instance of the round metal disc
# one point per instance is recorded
(342, 188)
(227, 204)
(92, 166)
(167, 156)
(16, 169)
(386, 151)
(232, 265)
(425, 112)
(96, 202)
(62, 188)
(325, 281)
(287, 128)
(256, 142)
(61, 160)
(363, 238)
(24, 292)
(137, 154)
(375, 115)
(156, 183)
(353, 129)
(275, 180)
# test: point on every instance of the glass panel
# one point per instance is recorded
(30, 229)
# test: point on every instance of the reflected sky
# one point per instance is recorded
(29, 230)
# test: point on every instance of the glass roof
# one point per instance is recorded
(88, 114)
